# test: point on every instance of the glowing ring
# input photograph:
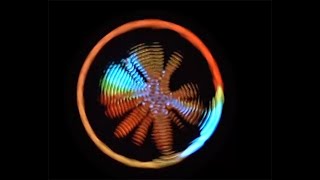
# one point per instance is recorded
(208, 126)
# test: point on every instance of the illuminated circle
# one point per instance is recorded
(212, 116)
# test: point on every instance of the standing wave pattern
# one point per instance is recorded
(137, 91)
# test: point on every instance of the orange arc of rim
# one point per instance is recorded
(130, 26)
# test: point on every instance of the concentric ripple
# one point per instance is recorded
(150, 99)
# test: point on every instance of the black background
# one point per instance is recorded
(239, 35)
